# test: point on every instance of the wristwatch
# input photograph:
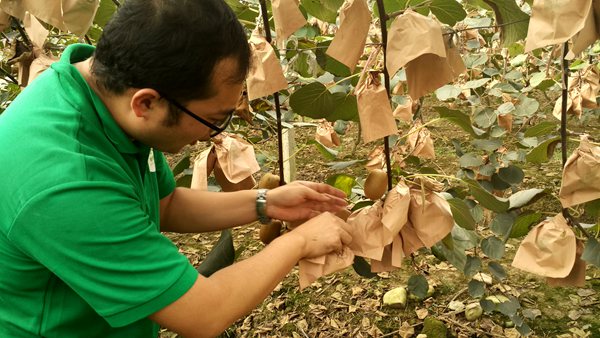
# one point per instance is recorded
(261, 206)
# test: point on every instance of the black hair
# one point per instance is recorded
(171, 46)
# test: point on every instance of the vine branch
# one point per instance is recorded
(267, 29)
(386, 77)
(563, 131)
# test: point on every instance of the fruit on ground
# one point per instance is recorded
(395, 298)
(473, 311)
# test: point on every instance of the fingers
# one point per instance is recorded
(323, 188)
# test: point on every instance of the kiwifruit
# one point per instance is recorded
(268, 181)
(343, 214)
(375, 184)
(269, 232)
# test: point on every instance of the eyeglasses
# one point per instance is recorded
(216, 129)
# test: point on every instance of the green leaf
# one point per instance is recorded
(447, 11)
(523, 223)
(184, 163)
(461, 213)
(511, 174)
(591, 253)
(518, 60)
(541, 129)
(105, 11)
(447, 92)
(487, 305)
(314, 101)
(346, 110)
(543, 151)
(328, 153)
(505, 108)
(476, 83)
(524, 329)
(418, 286)
(487, 144)
(472, 266)
(486, 199)
(459, 118)
(470, 160)
(510, 307)
(243, 11)
(343, 182)
(325, 10)
(502, 224)
(592, 208)
(221, 255)
(497, 270)
(515, 21)
(184, 181)
(476, 289)
(328, 63)
(527, 106)
(362, 267)
(525, 197)
(498, 183)
(493, 247)
(485, 118)
(474, 60)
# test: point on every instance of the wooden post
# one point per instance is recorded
(289, 150)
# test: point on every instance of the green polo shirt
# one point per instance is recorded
(81, 253)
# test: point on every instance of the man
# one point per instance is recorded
(83, 204)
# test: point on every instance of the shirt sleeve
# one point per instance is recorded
(97, 239)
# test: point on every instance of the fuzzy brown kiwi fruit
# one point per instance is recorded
(268, 232)
(268, 181)
(375, 184)
(343, 214)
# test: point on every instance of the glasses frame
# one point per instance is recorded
(216, 130)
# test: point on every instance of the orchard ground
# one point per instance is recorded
(345, 304)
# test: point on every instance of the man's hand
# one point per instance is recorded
(302, 200)
(322, 235)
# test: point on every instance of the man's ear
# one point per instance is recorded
(146, 101)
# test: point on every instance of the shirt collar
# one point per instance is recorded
(89, 99)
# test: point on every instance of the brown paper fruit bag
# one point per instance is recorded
(410, 240)
(548, 250)
(581, 175)
(326, 135)
(404, 111)
(429, 72)
(430, 216)
(367, 231)
(374, 109)
(410, 36)
(420, 142)
(265, 76)
(75, 16)
(577, 275)
(233, 161)
(309, 270)
(392, 257)
(287, 18)
(555, 21)
(349, 42)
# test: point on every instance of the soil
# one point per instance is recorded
(345, 304)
